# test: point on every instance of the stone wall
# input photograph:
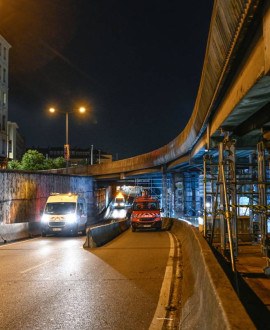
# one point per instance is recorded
(23, 194)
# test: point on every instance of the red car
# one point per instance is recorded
(146, 214)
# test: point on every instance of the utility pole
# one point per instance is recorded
(92, 150)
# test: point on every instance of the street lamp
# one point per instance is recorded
(66, 147)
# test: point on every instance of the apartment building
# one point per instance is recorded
(4, 57)
(16, 143)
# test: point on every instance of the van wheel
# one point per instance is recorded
(133, 228)
(84, 231)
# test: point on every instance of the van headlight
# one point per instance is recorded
(45, 218)
(71, 218)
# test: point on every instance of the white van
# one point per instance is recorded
(64, 213)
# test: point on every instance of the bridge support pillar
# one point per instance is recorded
(164, 191)
(263, 201)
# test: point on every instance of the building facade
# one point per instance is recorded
(16, 143)
(4, 59)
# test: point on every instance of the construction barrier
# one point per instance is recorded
(98, 236)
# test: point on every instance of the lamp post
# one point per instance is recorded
(66, 146)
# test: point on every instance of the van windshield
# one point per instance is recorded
(139, 206)
(60, 208)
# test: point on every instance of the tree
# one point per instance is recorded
(14, 165)
(59, 162)
(33, 160)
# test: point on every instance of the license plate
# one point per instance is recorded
(57, 229)
(147, 226)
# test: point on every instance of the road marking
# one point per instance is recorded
(164, 296)
(37, 266)
(20, 242)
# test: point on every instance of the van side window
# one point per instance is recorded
(80, 208)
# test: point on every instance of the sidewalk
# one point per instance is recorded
(253, 284)
(250, 264)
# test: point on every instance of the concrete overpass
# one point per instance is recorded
(233, 95)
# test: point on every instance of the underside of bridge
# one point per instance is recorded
(217, 169)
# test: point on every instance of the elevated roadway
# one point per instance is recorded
(233, 95)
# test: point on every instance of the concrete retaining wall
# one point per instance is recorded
(23, 195)
(208, 298)
(98, 236)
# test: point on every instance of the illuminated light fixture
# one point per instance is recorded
(52, 110)
(200, 220)
(82, 109)
(45, 218)
(69, 194)
(71, 218)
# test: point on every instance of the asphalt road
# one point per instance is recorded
(53, 283)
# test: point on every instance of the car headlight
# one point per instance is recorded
(45, 218)
(71, 218)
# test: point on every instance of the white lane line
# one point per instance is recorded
(37, 266)
(160, 314)
(20, 242)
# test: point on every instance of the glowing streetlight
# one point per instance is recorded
(66, 146)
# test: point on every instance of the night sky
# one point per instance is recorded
(135, 65)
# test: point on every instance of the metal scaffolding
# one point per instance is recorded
(236, 190)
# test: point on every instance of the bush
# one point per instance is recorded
(14, 165)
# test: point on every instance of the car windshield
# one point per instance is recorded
(138, 206)
(60, 208)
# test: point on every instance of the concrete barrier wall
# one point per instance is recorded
(208, 298)
(98, 236)
(15, 231)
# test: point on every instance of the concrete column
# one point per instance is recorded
(262, 196)
(173, 197)
(164, 190)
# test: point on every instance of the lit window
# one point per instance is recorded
(4, 98)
